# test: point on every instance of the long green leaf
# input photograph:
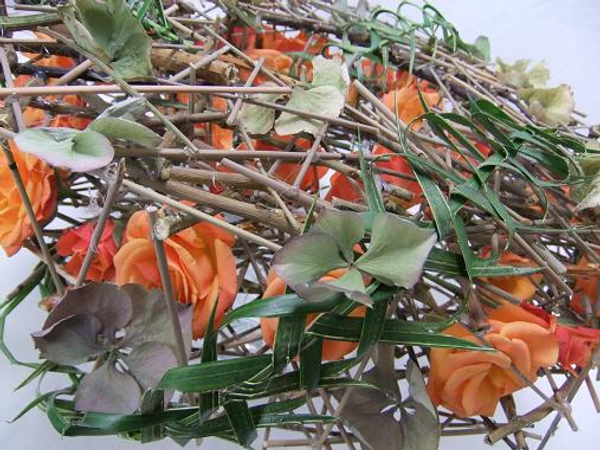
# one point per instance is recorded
(213, 375)
(291, 383)
(394, 332)
(438, 204)
(372, 327)
(209, 401)
(288, 339)
(241, 421)
(221, 424)
(122, 423)
(310, 364)
(280, 306)
(373, 198)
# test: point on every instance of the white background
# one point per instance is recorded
(563, 33)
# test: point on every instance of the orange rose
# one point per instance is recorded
(405, 101)
(471, 383)
(344, 189)
(586, 285)
(246, 38)
(576, 345)
(70, 121)
(274, 60)
(201, 265)
(74, 242)
(522, 287)
(220, 138)
(384, 77)
(40, 185)
(399, 164)
(483, 148)
(285, 171)
(64, 62)
(332, 350)
(289, 171)
(243, 37)
(276, 40)
(35, 117)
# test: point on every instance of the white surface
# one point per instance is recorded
(563, 33)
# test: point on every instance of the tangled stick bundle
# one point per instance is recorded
(280, 216)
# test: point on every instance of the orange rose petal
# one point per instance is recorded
(466, 358)
(226, 271)
(453, 388)
(39, 181)
(540, 341)
(398, 164)
(211, 232)
(268, 327)
(508, 312)
(342, 188)
(201, 266)
(202, 311)
(126, 262)
(516, 350)
(479, 396)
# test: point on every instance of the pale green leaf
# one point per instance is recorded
(482, 48)
(351, 281)
(327, 101)
(132, 107)
(149, 362)
(351, 284)
(370, 413)
(81, 34)
(517, 75)
(128, 130)
(344, 227)
(111, 32)
(397, 252)
(539, 75)
(106, 301)
(553, 106)
(305, 259)
(79, 151)
(149, 319)
(330, 72)
(72, 340)
(591, 196)
(383, 373)
(258, 119)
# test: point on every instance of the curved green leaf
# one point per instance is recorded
(280, 306)
(397, 252)
(213, 375)
(394, 331)
(127, 130)
(67, 148)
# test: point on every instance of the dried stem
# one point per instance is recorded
(153, 195)
(165, 278)
(111, 195)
